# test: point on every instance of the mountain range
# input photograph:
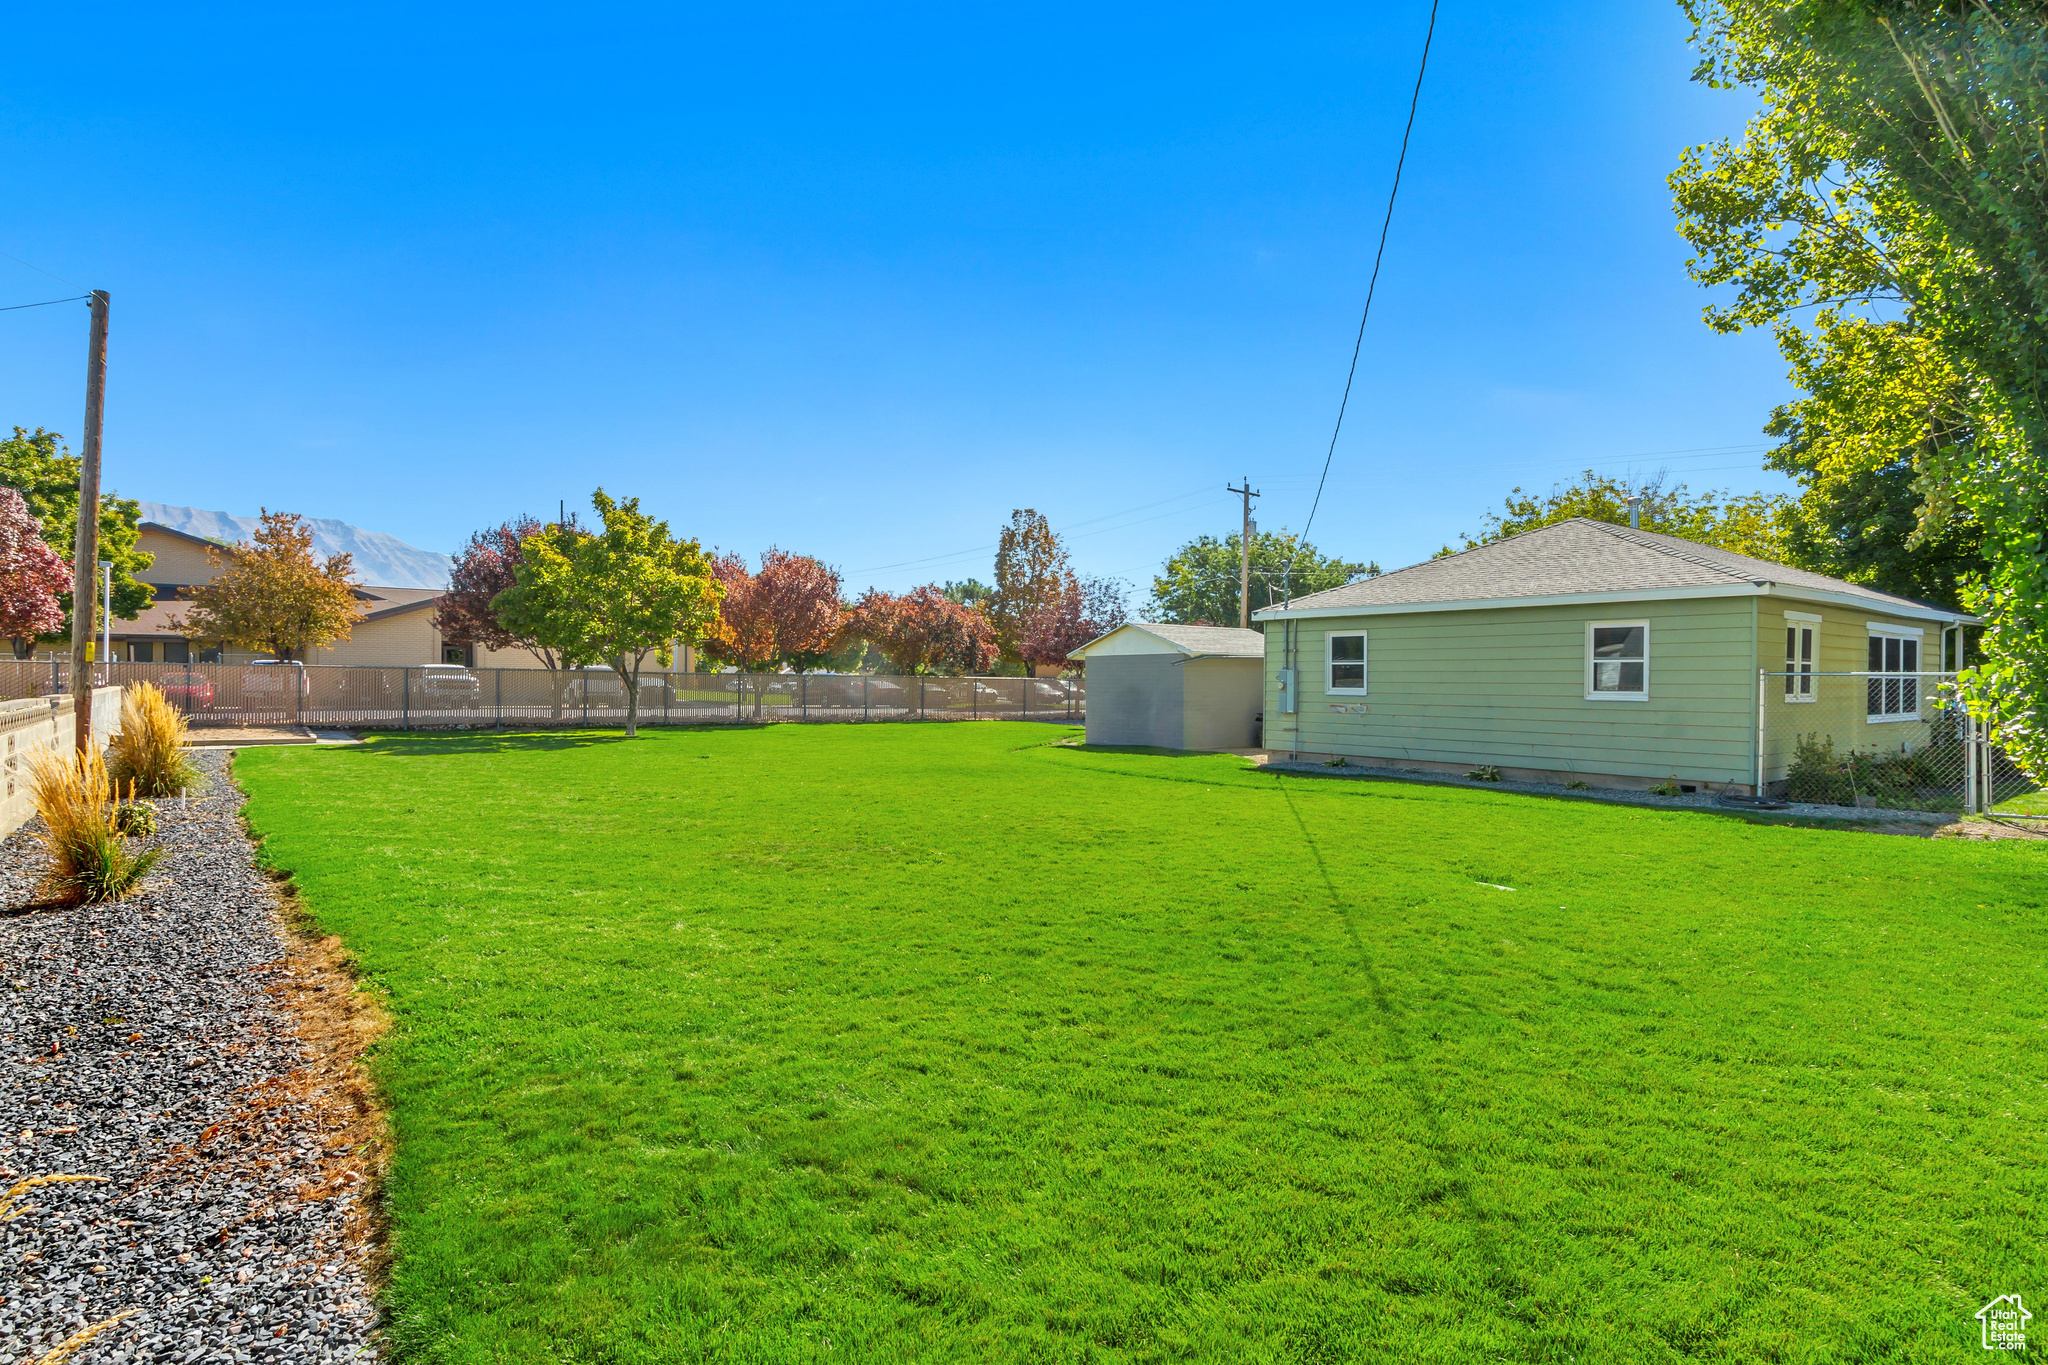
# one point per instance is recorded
(381, 561)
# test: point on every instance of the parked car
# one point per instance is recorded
(605, 688)
(446, 683)
(273, 679)
(186, 691)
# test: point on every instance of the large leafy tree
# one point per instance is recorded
(1748, 523)
(1084, 609)
(789, 612)
(924, 631)
(37, 464)
(487, 566)
(274, 594)
(1886, 215)
(1198, 583)
(616, 597)
(31, 576)
(1032, 571)
(1865, 520)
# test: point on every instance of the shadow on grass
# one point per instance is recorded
(1395, 1025)
(407, 743)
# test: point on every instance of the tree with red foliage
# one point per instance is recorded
(924, 631)
(789, 612)
(487, 566)
(1082, 610)
(31, 576)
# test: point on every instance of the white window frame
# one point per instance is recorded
(1330, 664)
(1809, 685)
(1592, 695)
(1884, 630)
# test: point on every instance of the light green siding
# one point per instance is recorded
(1837, 709)
(1508, 687)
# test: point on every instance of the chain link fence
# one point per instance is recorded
(1889, 741)
(449, 696)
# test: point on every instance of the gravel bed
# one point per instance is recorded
(145, 1044)
(1623, 795)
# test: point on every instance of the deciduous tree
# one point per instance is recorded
(488, 565)
(616, 597)
(1198, 583)
(37, 464)
(273, 594)
(924, 631)
(1031, 573)
(1747, 524)
(1084, 609)
(1885, 214)
(789, 612)
(31, 577)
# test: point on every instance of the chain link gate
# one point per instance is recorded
(1879, 740)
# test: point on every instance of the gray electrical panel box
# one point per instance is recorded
(1290, 690)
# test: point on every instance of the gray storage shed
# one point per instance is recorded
(1175, 687)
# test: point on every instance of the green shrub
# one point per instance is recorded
(1489, 773)
(135, 819)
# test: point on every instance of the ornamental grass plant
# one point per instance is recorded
(90, 859)
(149, 752)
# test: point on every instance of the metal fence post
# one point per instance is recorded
(1027, 698)
(1762, 701)
(803, 692)
(863, 696)
(973, 698)
(920, 698)
(405, 701)
(498, 678)
(668, 690)
(586, 696)
(1969, 763)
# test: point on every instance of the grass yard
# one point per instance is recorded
(939, 1043)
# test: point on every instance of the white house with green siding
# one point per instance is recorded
(1586, 650)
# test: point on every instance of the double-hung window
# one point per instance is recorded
(1617, 661)
(1344, 663)
(1802, 634)
(1892, 691)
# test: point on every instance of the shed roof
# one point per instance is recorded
(1207, 642)
(1583, 558)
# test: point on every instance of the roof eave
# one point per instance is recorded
(1889, 607)
(1081, 651)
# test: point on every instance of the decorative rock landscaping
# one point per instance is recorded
(192, 1062)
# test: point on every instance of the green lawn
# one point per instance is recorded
(940, 1043)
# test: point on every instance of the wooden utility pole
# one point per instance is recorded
(85, 556)
(1244, 556)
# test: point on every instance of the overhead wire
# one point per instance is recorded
(40, 271)
(12, 307)
(1372, 285)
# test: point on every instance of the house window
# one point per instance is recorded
(1800, 634)
(1617, 661)
(1892, 692)
(459, 654)
(141, 652)
(177, 651)
(1344, 663)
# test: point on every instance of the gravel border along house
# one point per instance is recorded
(198, 1060)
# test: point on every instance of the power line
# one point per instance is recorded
(40, 271)
(1385, 225)
(44, 304)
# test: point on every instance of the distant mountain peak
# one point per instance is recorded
(381, 561)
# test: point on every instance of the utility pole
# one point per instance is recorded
(1244, 556)
(85, 556)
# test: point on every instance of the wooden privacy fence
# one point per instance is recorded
(447, 696)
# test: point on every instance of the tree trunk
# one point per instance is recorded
(632, 682)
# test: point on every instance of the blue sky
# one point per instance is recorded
(858, 282)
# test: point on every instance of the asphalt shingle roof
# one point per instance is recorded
(1582, 556)
(1227, 641)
